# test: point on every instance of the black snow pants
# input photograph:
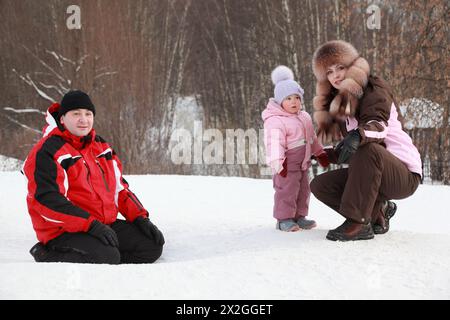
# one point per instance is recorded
(80, 247)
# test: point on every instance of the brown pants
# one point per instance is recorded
(374, 176)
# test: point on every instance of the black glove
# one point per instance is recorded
(347, 147)
(103, 232)
(149, 230)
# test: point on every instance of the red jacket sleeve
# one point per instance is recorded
(129, 205)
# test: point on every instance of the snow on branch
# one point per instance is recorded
(22, 125)
(59, 88)
(58, 74)
(24, 110)
(105, 74)
(45, 65)
(60, 57)
(27, 79)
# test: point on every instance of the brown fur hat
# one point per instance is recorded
(331, 105)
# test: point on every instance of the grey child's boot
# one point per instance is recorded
(287, 225)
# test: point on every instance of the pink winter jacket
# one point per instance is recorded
(396, 140)
(284, 131)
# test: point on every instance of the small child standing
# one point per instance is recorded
(290, 142)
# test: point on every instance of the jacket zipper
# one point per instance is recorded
(103, 175)
(90, 184)
(136, 202)
(87, 176)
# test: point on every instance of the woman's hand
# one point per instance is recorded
(347, 147)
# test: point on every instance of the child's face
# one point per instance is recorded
(335, 74)
(292, 103)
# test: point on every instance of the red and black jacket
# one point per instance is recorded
(73, 181)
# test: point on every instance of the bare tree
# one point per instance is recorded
(139, 58)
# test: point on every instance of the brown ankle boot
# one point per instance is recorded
(350, 231)
(381, 225)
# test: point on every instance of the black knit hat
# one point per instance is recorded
(75, 100)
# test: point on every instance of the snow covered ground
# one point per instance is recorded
(221, 244)
(10, 164)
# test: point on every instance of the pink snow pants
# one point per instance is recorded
(292, 193)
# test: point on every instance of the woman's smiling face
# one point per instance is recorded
(336, 74)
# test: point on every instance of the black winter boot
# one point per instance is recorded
(40, 252)
(381, 225)
(351, 231)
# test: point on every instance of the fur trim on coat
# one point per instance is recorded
(332, 105)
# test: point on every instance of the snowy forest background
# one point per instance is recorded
(157, 65)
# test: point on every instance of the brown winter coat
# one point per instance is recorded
(332, 106)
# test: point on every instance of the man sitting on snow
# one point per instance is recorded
(76, 190)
